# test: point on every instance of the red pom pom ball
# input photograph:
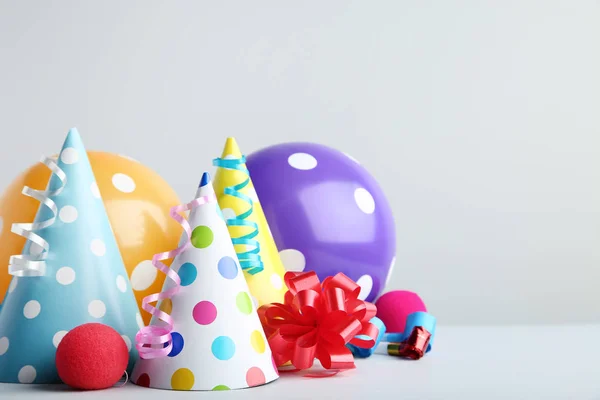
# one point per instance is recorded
(393, 308)
(92, 356)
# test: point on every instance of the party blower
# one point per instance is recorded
(70, 273)
(205, 333)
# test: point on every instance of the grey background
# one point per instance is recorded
(480, 119)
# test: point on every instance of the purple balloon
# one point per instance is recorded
(326, 212)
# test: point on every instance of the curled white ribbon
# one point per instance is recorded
(35, 264)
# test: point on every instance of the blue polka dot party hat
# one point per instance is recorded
(217, 339)
(70, 273)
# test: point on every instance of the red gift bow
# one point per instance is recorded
(317, 321)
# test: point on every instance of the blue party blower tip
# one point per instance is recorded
(365, 353)
(83, 278)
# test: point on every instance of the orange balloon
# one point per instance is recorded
(139, 218)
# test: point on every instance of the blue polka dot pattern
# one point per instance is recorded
(177, 344)
(223, 348)
(188, 273)
(82, 253)
(228, 267)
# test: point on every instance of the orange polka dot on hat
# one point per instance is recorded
(70, 273)
(216, 338)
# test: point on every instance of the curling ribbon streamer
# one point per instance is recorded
(317, 320)
(156, 341)
(25, 265)
(363, 352)
(250, 260)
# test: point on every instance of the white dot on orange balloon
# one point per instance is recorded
(123, 183)
(143, 275)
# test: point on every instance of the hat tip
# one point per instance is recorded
(205, 179)
(231, 148)
(73, 139)
(73, 131)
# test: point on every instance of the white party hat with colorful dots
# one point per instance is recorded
(70, 273)
(217, 339)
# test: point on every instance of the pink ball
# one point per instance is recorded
(393, 308)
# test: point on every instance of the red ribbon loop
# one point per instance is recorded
(317, 320)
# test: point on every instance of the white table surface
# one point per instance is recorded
(539, 362)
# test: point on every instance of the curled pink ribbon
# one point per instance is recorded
(155, 341)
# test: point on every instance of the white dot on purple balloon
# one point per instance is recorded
(364, 200)
(302, 161)
(366, 284)
(389, 275)
(293, 260)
